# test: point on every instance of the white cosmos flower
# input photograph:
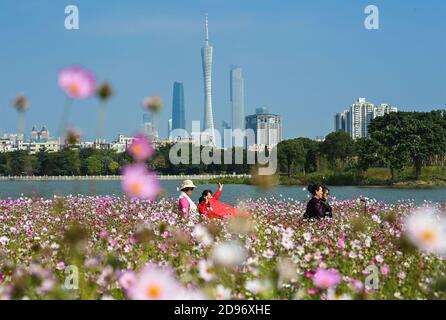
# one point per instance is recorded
(229, 253)
(201, 234)
(222, 293)
(379, 258)
(4, 240)
(256, 286)
(287, 243)
(427, 231)
(269, 254)
(206, 270)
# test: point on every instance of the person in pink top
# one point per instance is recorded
(186, 207)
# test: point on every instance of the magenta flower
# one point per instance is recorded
(77, 82)
(141, 149)
(140, 183)
(385, 269)
(325, 279)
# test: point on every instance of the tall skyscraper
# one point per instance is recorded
(237, 93)
(178, 117)
(150, 128)
(206, 56)
(341, 121)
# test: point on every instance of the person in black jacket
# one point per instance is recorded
(325, 203)
(315, 208)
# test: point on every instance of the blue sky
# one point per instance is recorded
(304, 60)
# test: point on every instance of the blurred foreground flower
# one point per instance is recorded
(201, 234)
(153, 104)
(138, 182)
(104, 91)
(229, 254)
(141, 148)
(153, 283)
(72, 137)
(325, 279)
(263, 181)
(427, 231)
(77, 82)
(21, 103)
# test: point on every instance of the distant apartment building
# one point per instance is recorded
(121, 144)
(9, 142)
(267, 129)
(355, 121)
(40, 141)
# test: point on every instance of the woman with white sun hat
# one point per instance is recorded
(186, 207)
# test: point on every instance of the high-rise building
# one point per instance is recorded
(237, 96)
(362, 114)
(341, 121)
(178, 117)
(150, 128)
(206, 56)
(267, 130)
(356, 120)
(169, 128)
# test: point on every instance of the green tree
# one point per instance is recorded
(369, 153)
(94, 166)
(338, 147)
(413, 137)
(291, 154)
(114, 167)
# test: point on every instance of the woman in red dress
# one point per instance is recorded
(210, 207)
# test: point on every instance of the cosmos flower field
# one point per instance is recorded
(141, 249)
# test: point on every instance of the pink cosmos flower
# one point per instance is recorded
(141, 149)
(60, 265)
(355, 285)
(77, 82)
(325, 279)
(127, 279)
(385, 269)
(154, 283)
(140, 183)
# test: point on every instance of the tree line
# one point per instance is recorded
(395, 141)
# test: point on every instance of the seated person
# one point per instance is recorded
(210, 207)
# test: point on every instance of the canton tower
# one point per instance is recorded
(206, 56)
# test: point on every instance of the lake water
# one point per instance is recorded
(231, 193)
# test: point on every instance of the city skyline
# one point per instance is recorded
(296, 66)
(355, 120)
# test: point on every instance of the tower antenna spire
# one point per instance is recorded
(207, 29)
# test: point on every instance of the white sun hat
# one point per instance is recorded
(186, 184)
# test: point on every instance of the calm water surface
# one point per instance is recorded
(231, 193)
